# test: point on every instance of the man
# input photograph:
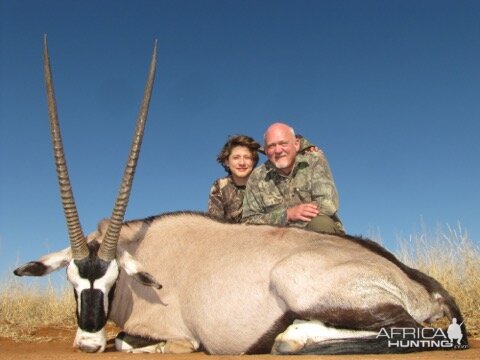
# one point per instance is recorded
(291, 189)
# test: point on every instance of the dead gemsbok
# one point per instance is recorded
(232, 288)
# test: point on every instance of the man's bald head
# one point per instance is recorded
(281, 146)
(278, 127)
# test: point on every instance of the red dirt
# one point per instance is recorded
(60, 348)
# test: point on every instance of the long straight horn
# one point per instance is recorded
(75, 233)
(108, 247)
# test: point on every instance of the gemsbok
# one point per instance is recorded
(234, 288)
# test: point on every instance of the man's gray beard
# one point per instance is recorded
(281, 164)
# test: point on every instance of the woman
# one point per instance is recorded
(239, 156)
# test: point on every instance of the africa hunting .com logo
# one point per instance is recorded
(424, 337)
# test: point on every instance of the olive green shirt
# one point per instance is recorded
(269, 193)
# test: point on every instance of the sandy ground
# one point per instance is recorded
(60, 347)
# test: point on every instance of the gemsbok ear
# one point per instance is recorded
(46, 264)
(135, 269)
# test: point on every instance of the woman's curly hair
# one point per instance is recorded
(234, 141)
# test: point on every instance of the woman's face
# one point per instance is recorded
(240, 162)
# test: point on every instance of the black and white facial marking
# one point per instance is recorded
(93, 280)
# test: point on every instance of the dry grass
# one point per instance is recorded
(24, 309)
(448, 256)
(452, 258)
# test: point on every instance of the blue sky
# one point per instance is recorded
(388, 89)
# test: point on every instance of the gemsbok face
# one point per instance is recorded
(93, 267)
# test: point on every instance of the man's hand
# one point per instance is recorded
(302, 212)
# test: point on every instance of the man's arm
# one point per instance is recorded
(324, 191)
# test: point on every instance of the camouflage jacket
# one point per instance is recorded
(225, 200)
(269, 194)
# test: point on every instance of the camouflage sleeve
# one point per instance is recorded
(324, 192)
(215, 202)
(304, 145)
(255, 211)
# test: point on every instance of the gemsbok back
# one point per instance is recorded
(235, 288)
